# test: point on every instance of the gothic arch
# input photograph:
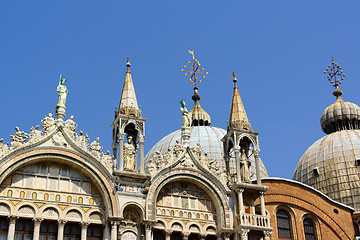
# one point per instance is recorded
(251, 138)
(81, 163)
(218, 197)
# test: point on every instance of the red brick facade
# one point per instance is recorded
(331, 220)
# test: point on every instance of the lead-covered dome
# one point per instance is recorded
(331, 164)
(210, 140)
(340, 115)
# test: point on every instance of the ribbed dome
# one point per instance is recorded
(210, 140)
(340, 115)
(331, 165)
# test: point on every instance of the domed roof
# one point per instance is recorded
(209, 138)
(340, 115)
(331, 165)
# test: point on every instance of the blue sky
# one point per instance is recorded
(278, 49)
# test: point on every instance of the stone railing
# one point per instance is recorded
(253, 220)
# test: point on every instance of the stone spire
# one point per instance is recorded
(238, 117)
(128, 103)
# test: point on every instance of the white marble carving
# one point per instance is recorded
(82, 140)
(108, 161)
(4, 149)
(129, 155)
(71, 126)
(35, 134)
(96, 148)
(48, 124)
(58, 139)
(18, 139)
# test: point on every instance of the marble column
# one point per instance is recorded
(12, 223)
(114, 230)
(141, 149)
(37, 223)
(244, 234)
(267, 235)
(106, 233)
(237, 160)
(239, 192)
(257, 166)
(61, 225)
(168, 233)
(120, 162)
(148, 228)
(262, 203)
(84, 227)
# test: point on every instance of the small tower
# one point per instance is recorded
(128, 125)
(240, 144)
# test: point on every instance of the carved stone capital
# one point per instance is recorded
(148, 227)
(236, 149)
(203, 235)
(84, 224)
(239, 190)
(267, 233)
(226, 236)
(168, 232)
(262, 193)
(244, 232)
(141, 139)
(13, 219)
(61, 221)
(121, 136)
(185, 235)
(37, 220)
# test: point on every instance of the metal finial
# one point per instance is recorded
(128, 64)
(334, 73)
(234, 78)
(194, 65)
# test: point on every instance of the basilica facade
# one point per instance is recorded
(199, 182)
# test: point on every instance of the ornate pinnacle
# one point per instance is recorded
(332, 71)
(194, 65)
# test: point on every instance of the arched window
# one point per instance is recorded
(283, 225)
(309, 229)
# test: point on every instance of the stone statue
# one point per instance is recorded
(158, 159)
(82, 140)
(48, 124)
(214, 165)
(70, 126)
(62, 93)
(4, 149)
(96, 148)
(129, 155)
(245, 164)
(203, 160)
(197, 150)
(151, 167)
(18, 138)
(178, 148)
(168, 157)
(108, 161)
(185, 117)
(35, 134)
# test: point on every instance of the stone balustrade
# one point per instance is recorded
(247, 219)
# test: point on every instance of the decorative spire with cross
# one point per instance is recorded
(335, 76)
(195, 69)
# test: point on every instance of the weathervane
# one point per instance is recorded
(234, 78)
(194, 65)
(332, 71)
